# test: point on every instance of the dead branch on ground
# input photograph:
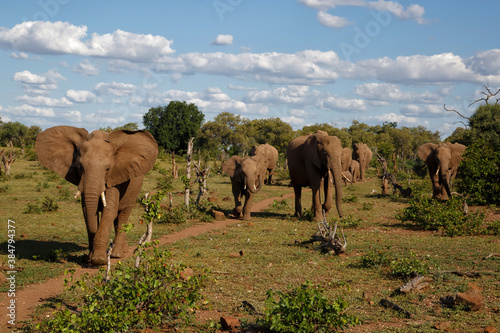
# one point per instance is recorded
(330, 242)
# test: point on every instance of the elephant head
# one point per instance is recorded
(245, 171)
(363, 155)
(97, 162)
(442, 160)
(247, 177)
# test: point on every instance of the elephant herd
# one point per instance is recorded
(313, 160)
(108, 169)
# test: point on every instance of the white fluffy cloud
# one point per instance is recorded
(114, 88)
(391, 92)
(64, 38)
(44, 101)
(332, 21)
(26, 110)
(412, 12)
(80, 96)
(28, 77)
(86, 68)
(223, 40)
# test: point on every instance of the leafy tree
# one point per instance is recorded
(228, 132)
(362, 133)
(273, 131)
(485, 124)
(12, 133)
(173, 125)
(342, 134)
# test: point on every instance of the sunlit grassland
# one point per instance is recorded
(48, 243)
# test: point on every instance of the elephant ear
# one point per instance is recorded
(457, 151)
(232, 166)
(57, 149)
(136, 153)
(314, 152)
(425, 150)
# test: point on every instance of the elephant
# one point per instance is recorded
(346, 159)
(268, 155)
(354, 170)
(363, 155)
(312, 159)
(108, 169)
(247, 177)
(347, 177)
(442, 160)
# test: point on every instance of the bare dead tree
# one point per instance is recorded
(201, 179)
(388, 177)
(189, 157)
(487, 95)
(7, 160)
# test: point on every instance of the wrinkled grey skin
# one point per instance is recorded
(112, 164)
(247, 177)
(313, 159)
(442, 161)
(266, 155)
(363, 155)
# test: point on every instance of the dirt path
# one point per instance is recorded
(28, 298)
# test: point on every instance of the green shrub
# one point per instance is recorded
(350, 198)
(448, 216)
(350, 222)
(405, 267)
(173, 215)
(282, 204)
(149, 296)
(23, 176)
(374, 259)
(305, 309)
(47, 204)
(480, 174)
(494, 228)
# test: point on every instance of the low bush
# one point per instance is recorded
(47, 204)
(449, 216)
(149, 296)
(305, 309)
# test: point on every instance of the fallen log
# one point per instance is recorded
(390, 305)
(416, 284)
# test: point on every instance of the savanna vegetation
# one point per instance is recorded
(390, 239)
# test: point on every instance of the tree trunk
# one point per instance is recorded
(188, 170)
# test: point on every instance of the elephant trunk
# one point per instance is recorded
(336, 170)
(250, 184)
(444, 176)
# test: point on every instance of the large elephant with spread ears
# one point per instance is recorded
(108, 169)
(442, 160)
(312, 159)
(267, 155)
(247, 177)
(363, 154)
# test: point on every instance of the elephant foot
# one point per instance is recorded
(99, 260)
(119, 250)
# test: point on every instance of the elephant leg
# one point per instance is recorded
(316, 202)
(248, 205)
(120, 246)
(101, 238)
(237, 191)
(328, 190)
(298, 196)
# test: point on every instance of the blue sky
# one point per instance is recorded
(96, 64)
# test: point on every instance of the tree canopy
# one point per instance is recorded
(174, 124)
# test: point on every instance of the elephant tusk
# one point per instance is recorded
(345, 177)
(437, 171)
(103, 197)
(254, 187)
(77, 194)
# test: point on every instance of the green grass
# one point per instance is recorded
(271, 260)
